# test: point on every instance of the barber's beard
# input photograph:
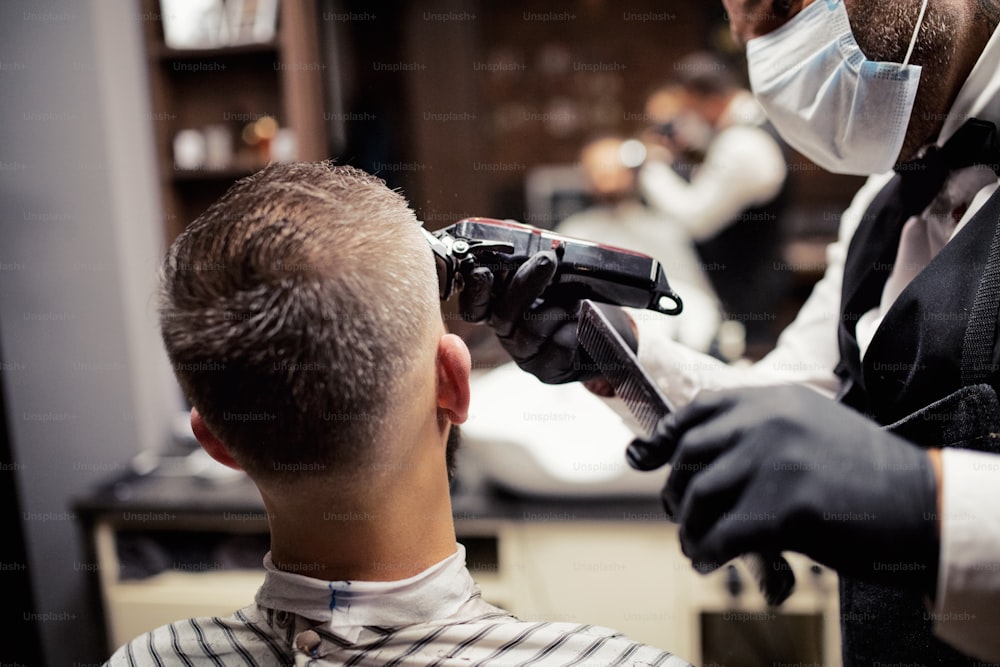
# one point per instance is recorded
(454, 441)
(883, 31)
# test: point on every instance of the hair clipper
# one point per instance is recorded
(585, 270)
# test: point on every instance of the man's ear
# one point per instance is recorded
(454, 364)
(215, 447)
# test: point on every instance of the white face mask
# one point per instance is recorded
(844, 112)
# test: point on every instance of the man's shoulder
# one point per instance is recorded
(746, 140)
(491, 637)
(484, 633)
(593, 645)
(501, 639)
(205, 640)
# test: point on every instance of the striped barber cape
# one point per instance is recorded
(436, 618)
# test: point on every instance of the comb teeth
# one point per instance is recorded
(617, 363)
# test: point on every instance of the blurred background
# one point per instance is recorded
(123, 119)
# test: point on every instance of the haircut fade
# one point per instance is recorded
(291, 309)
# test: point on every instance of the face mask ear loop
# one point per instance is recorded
(913, 40)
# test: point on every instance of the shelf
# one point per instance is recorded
(224, 87)
(165, 53)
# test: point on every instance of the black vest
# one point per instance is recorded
(915, 357)
(740, 261)
(913, 382)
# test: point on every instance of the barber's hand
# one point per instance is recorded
(660, 148)
(783, 468)
(539, 334)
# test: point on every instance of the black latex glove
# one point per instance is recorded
(539, 334)
(783, 468)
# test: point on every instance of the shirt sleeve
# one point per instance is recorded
(744, 167)
(966, 613)
(806, 352)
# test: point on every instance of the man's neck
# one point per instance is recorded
(396, 535)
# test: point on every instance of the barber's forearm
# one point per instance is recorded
(966, 610)
(701, 209)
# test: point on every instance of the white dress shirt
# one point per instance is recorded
(966, 612)
(436, 617)
(743, 168)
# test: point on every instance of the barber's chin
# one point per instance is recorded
(910, 152)
(919, 135)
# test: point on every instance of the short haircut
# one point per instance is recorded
(704, 74)
(291, 309)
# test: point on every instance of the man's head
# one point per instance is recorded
(677, 122)
(707, 85)
(301, 316)
(609, 178)
(665, 103)
(951, 37)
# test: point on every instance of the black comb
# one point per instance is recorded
(613, 357)
(617, 362)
